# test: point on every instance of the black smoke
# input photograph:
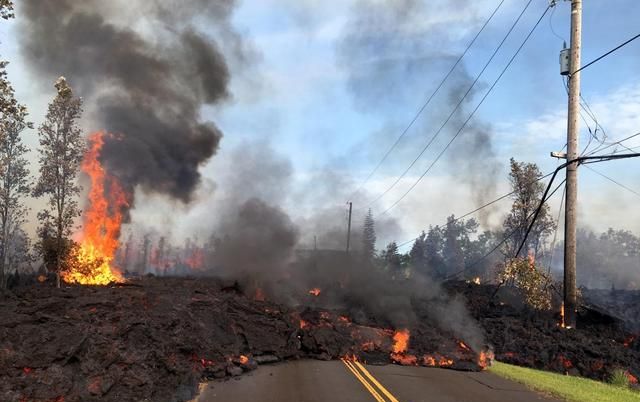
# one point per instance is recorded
(146, 85)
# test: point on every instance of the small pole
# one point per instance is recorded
(349, 226)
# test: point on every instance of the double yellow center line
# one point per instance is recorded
(370, 383)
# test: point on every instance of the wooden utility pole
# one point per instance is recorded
(570, 224)
(349, 227)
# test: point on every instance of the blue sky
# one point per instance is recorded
(322, 101)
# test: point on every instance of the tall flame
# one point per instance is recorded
(401, 341)
(91, 262)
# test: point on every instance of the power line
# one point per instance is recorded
(613, 181)
(473, 84)
(504, 239)
(606, 54)
(614, 144)
(471, 115)
(481, 207)
(433, 94)
(555, 232)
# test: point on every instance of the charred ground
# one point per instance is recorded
(157, 338)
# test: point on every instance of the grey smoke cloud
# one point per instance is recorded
(148, 89)
(395, 53)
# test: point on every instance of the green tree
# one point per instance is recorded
(457, 243)
(528, 191)
(61, 150)
(369, 237)
(14, 178)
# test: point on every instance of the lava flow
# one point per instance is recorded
(400, 346)
(90, 263)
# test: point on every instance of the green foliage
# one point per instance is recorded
(528, 192)
(619, 378)
(534, 284)
(14, 179)
(569, 388)
(61, 150)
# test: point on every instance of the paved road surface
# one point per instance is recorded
(319, 381)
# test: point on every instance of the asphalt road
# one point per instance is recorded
(320, 381)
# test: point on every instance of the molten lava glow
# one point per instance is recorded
(344, 319)
(566, 363)
(91, 262)
(315, 292)
(401, 341)
(485, 359)
(400, 346)
(627, 342)
(195, 259)
(463, 346)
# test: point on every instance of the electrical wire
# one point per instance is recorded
(472, 113)
(555, 232)
(428, 101)
(504, 239)
(455, 109)
(613, 181)
(481, 207)
(606, 54)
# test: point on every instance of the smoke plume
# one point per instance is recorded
(395, 53)
(146, 85)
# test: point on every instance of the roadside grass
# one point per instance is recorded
(572, 389)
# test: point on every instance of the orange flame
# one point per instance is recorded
(631, 377)
(562, 324)
(315, 292)
(91, 264)
(463, 346)
(485, 359)
(244, 359)
(401, 341)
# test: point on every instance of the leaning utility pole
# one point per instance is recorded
(349, 227)
(570, 302)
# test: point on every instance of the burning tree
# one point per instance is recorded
(14, 173)
(61, 151)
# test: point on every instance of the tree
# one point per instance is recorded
(392, 258)
(433, 245)
(61, 150)
(6, 9)
(369, 237)
(457, 243)
(417, 255)
(528, 192)
(14, 177)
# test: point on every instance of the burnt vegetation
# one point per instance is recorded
(174, 312)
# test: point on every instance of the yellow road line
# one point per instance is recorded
(377, 384)
(364, 382)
